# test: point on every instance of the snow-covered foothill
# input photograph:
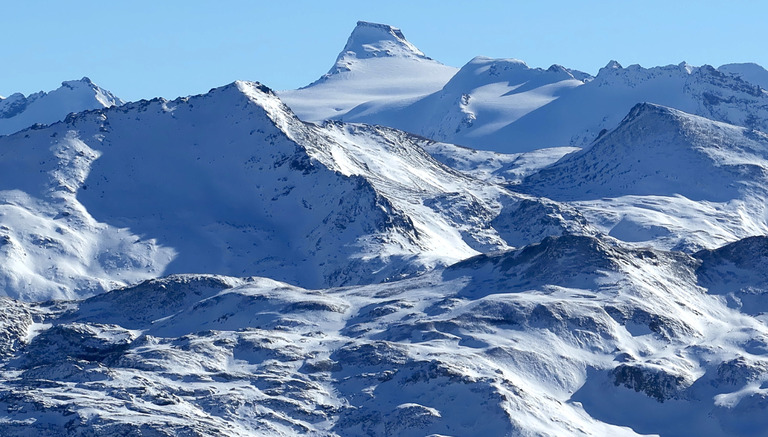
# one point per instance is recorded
(574, 335)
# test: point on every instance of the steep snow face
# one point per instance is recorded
(231, 182)
(377, 63)
(372, 40)
(571, 336)
(747, 72)
(504, 106)
(483, 97)
(18, 112)
(643, 182)
(582, 114)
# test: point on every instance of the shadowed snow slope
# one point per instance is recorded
(747, 72)
(576, 336)
(476, 104)
(505, 106)
(18, 112)
(667, 178)
(231, 182)
(377, 63)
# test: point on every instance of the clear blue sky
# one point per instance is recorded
(142, 49)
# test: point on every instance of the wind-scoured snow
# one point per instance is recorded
(217, 266)
(231, 182)
(376, 64)
(18, 112)
(571, 336)
(667, 178)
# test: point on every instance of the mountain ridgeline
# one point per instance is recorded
(398, 248)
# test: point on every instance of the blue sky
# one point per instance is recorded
(142, 49)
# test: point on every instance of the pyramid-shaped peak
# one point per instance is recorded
(373, 40)
(386, 28)
(645, 108)
(84, 82)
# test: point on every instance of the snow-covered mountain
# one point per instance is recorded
(231, 182)
(484, 108)
(505, 106)
(570, 336)
(749, 72)
(18, 112)
(376, 64)
(215, 265)
(666, 178)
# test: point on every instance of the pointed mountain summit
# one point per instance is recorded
(372, 40)
(669, 179)
(229, 182)
(658, 150)
(18, 111)
(377, 64)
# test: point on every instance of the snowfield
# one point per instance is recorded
(337, 261)
(570, 336)
(18, 111)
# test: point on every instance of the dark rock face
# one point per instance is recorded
(655, 382)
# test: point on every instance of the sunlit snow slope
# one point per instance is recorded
(377, 64)
(666, 178)
(18, 112)
(573, 336)
(231, 182)
(505, 106)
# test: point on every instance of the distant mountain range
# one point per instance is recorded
(18, 112)
(399, 248)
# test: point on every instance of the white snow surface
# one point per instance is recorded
(523, 109)
(668, 179)
(505, 106)
(749, 72)
(571, 336)
(18, 112)
(215, 266)
(377, 64)
(231, 182)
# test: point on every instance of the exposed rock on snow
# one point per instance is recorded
(18, 111)
(643, 183)
(501, 344)
(231, 182)
(377, 63)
